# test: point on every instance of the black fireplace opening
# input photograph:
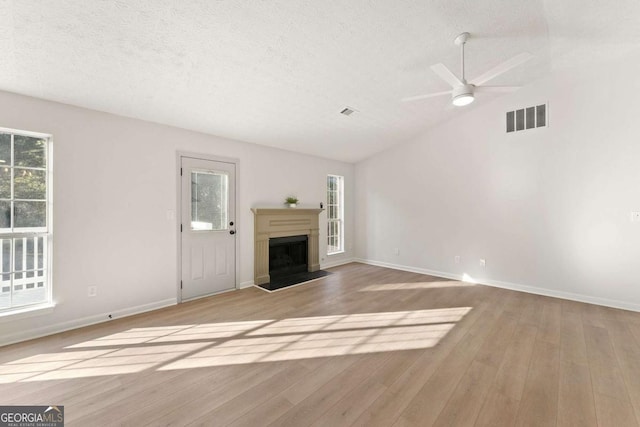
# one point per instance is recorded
(287, 256)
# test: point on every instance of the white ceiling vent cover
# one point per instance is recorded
(347, 111)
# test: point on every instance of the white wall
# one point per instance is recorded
(549, 209)
(114, 181)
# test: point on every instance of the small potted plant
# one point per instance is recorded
(292, 201)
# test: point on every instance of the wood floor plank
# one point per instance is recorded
(313, 407)
(299, 391)
(575, 397)
(464, 404)
(612, 412)
(347, 409)
(206, 414)
(265, 413)
(610, 393)
(161, 389)
(605, 371)
(551, 322)
(626, 349)
(501, 404)
(573, 347)
(539, 404)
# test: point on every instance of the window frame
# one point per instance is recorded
(340, 215)
(46, 232)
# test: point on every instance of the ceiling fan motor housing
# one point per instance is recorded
(464, 91)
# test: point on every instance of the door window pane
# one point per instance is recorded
(30, 184)
(209, 200)
(29, 152)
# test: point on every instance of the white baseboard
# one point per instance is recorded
(247, 284)
(85, 321)
(336, 263)
(511, 286)
(418, 270)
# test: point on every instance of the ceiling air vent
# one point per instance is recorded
(347, 111)
(527, 118)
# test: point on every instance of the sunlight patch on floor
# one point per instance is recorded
(304, 346)
(79, 364)
(362, 321)
(231, 343)
(205, 331)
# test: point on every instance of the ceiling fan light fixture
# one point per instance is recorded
(462, 95)
(462, 100)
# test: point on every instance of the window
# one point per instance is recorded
(335, 214)
(209, 200)
(25, 229)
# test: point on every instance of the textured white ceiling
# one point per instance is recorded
(278, 72)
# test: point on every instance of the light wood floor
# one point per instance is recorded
(365, 346)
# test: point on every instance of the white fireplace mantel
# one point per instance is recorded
(283, 222)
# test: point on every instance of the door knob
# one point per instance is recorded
(232, 231)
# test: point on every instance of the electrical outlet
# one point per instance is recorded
(483, 262)
(396, 251)
(456, 259)
(92, 291)
(635, 216)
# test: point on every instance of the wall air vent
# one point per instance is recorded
(527, 118)
(347, 111)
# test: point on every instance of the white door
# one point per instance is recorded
(208, 209)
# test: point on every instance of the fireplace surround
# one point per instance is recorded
(270, 223)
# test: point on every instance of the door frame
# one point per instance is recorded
(201, 156)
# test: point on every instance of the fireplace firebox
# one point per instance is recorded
(287, 256)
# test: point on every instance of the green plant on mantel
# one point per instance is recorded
(291, 200)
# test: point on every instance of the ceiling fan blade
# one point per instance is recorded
(429, 95)
(502, 89)
(502, 68)
(445, 74)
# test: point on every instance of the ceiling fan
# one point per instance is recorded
(463, 91)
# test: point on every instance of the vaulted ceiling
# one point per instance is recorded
(279, 72)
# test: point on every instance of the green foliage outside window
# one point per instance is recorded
(23, 160)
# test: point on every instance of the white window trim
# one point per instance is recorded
(47, 306)
(26, 311)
